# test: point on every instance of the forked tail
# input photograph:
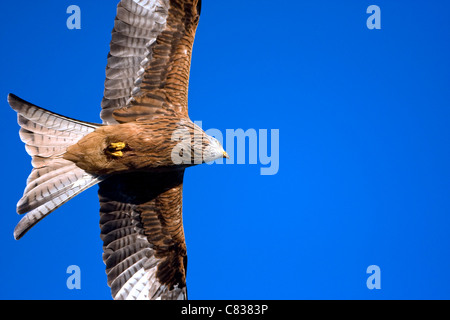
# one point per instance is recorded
(53, 180)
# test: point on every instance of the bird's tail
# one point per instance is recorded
(53, 180)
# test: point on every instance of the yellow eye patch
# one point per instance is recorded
(115, 149)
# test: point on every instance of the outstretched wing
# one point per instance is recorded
(142, 232)
(148, 65)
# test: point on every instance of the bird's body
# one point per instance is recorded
(137, 156)
(145, 145)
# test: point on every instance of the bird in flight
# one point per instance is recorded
(137, 155)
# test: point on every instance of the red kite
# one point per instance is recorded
(134, 155)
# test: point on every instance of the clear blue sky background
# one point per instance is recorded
(364, 173)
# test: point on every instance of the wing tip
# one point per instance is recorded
(22, 228)
(12, 96)
(14, 101)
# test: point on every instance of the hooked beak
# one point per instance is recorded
(225, 154)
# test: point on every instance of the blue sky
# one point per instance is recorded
(364, 150)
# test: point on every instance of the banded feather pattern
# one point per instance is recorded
(53, 180)
(143, 239)
(136, 27)
(147, 72)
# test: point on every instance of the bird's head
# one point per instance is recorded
(206, 148)
(193, 146)
(213, 150)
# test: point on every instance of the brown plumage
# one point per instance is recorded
(138, 156)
